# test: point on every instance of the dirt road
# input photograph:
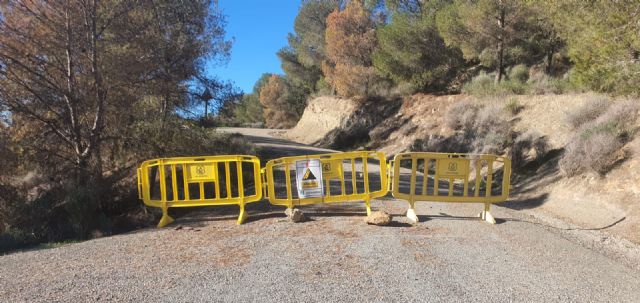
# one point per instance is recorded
(451, 256)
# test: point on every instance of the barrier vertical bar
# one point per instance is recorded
(489, 178)
(425, 176)
(342, 187)
(227, 171)
(174, 182)
(353, 176)
(288, 180)
(478, 178)
(166, 219)
(365, 171)
(486, 213)
(185, 181)
(217, 177)
(436, 181)
(506, 179)
(411, 212)
(242, 216)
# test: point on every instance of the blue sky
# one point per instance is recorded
(260, 29)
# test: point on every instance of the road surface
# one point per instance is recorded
(449, 257)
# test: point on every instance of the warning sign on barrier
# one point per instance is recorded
(332, 169)
(453, 168)
(309, 178)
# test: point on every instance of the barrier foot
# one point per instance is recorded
(412, 216)
(165, 220)
(486, 215)
(368, 203)
(243, 215)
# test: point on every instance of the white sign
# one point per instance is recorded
(309, 178)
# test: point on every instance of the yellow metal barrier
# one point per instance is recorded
(200, 181)
(467, 178)
(341, 177)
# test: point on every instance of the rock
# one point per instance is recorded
(295, 215)
(379, 218)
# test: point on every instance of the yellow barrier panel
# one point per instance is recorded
(327, 178)
(466, 178)
(199, 181)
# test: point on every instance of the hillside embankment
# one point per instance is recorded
(609, 202)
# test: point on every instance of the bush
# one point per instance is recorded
(589, 111)
(481, 129)
(540, 83)
(598, 144)
(485, 85)
(513, 106)
(461, 115)
(485, 130)
(13, 239)
(480, 85)
(523, 147)
(519, 73)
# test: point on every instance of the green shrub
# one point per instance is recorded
(484, 85)
(519, 73)
(480, 85)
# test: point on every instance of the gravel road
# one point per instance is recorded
(451, 256)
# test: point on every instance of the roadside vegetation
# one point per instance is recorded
(87, 91)
(379, 51)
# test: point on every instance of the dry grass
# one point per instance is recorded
(598, 143)
(589, 111)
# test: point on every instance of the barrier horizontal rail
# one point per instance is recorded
(468, 178)
(200, 181)
(345, 177)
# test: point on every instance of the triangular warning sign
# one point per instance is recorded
(308, 175)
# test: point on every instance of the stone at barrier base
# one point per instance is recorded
(295, 215)
(379, 218)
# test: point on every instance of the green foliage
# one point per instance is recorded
(603, 43)
(412, 51)
(519, 73)
(297, 73)
(484, 84)
(249, 110)
(497, 33)
(309, 26)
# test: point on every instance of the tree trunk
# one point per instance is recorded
(501, 44)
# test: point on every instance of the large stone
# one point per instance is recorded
(379, 218)
(295, 215)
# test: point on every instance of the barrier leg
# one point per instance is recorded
(368, 203)
(243, 215)
(166, 219)
(485, 215)
(411, 212)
